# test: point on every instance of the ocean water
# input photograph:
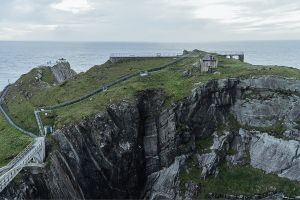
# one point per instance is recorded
(17, 58)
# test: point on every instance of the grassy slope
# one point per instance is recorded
(12, 142)
(21, 107)
(170, 80)
(238, 180)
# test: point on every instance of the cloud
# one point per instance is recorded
(73, 6)
(246, 15)
(10, 32)
(149, 20)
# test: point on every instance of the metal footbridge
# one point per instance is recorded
(34, 154)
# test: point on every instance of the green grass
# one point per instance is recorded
(27, 94)
(231, 124)
(21, 106)
(203, 144)
(248, 181)
(237, 180)
(12, 142)
(171, 81)
(277, 129)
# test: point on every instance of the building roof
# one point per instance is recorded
(209, 57)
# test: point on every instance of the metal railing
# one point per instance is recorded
(10, 171)
(229, 52)
(21, 161)
(144, 55)
(110, 84)
(8, 118)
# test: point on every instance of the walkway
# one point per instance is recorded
(115, 57)
(231, 54)
(104, 87)
(34, 154)
(8, 118)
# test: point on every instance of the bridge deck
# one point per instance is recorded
(22, 160)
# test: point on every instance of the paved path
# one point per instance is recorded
(115, 82)
(34, 154)
(8, 118)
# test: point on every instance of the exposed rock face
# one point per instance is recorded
(162, 184)
(62, 72)
(135, 150)
(240, 143)
(276, 156)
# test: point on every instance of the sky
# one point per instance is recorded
(149, 20)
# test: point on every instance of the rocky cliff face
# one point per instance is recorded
(135, 150)
(62, 71)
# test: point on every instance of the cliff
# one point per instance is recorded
(62, 71)
(207, 145)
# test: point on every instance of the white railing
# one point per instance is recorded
(39, 122)
(229, 52)
(17, 158)
(144, 55)
(35, 152)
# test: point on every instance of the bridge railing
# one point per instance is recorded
(110, 84)
(29, 153)
(39, 122)
(229, 52)
(144, 55)
(20, 162)
(18, 157)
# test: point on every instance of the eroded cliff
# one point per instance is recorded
(139, 149)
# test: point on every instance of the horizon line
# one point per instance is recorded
(166, 42)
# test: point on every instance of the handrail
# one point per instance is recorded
(28, 148)
(229, 52)
(22, 159)
(144, 55)
(8, 118)
(19, 162)
(110, 84)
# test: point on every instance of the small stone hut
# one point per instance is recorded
(208, 62)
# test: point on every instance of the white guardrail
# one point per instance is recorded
(144, 55)
(34, 153)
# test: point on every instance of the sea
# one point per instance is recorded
(17, 58)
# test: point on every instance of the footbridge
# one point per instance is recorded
(115, 57)
(34, 154)
(233, 54)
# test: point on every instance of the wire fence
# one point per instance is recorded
(110, 84)
(8, 117)
(144, 55)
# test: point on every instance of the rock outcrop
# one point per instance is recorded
(62, 71)
(135, 150)
(275, 156)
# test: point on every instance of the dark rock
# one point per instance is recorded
(136, 149)
(62, 71)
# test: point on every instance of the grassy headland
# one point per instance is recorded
(12, 142)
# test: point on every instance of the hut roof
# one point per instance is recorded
(209, 57)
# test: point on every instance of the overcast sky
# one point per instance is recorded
(149, 20)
